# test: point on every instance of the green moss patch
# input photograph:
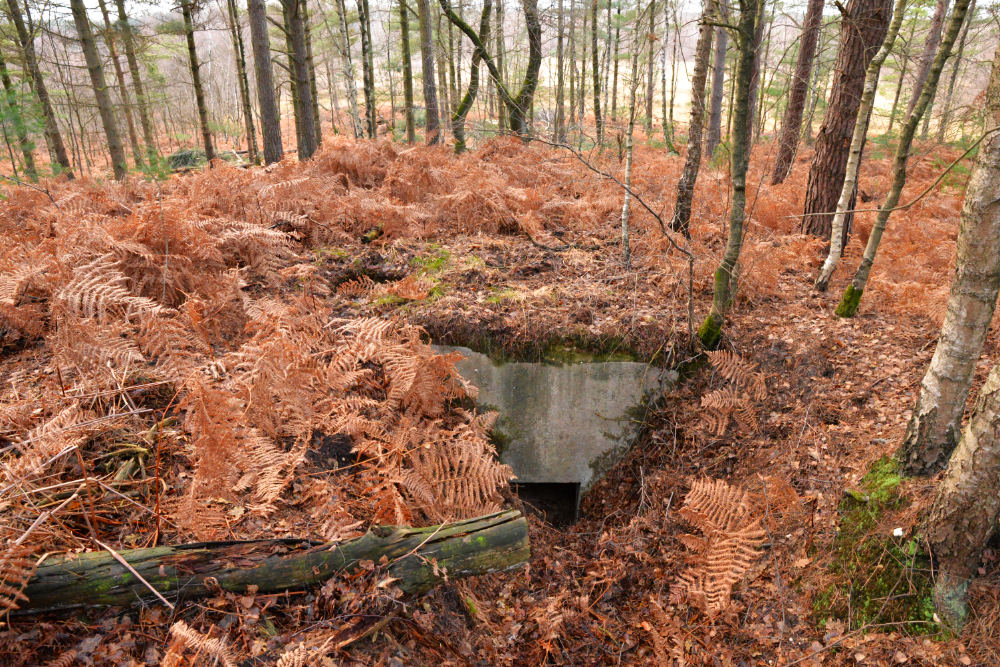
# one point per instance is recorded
(879, 578)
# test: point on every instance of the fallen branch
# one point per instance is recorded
(418, 559)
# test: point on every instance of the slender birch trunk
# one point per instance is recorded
(462, 111)
(239, 57)
(596, 67)
(857, 144)
(367, 67)
(852, 295)
(718, 90)
(650, 68)
(680, 221)
(142, 103)
(668, 138)
(946, 113)
(722, 296)
(633, 85)
(109, 40)
(927, 55)
(350, 84)
(937, 417)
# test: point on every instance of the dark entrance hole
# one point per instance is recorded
(556, 503)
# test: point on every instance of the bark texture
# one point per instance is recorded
(128, 41)
(852, 295)
(404, 29)
(299, 62)
(433, 124)
(419, 558)
(927, 55)
(850, 185)
(718, 91)
(235, 34)
(96, 71)
(863, 29)
(967, 505)
(791, 124)
(722, 294)
(937, 417)
(270, 122)
(462, 111)
(681, 219)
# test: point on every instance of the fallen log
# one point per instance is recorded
(418, 558)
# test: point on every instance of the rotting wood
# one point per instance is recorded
(418, 558)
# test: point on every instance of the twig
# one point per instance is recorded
(118, 557)
(43, 517)
(918, 197)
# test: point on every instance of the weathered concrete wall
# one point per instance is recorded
(560, 423)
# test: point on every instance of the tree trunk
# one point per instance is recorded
(946, 112)
(596, 70)
(559, 132)
(755, 77)
(433, 125)
(96, 70)
(852, 295)
(458, 119)
(633, 85)
(902, 77)
(270, 120)
(668, 131)
(850, 185)
(711, 329)
(17, 120)
(862, 31)
(109, 39)
(367, 67)
(350, 83)
(199, 92)
(128, 41)
(718, 89)
(572, 60)
(937, 417)
(52, 136)
(517, 104)
(311, 68)
(614, 67)
(650, 67)
(298, 61)
(927, 55)
(791, 125)
(241, 75)
(964, 515)
(419, 559)
(681, 219)
(404, 28)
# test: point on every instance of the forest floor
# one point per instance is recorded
(515, 251)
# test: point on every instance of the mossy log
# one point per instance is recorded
(419, 558)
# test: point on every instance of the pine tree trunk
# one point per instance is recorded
(927, 55)
(96, 70)
(298, 61)
(946, 113)
(52, 136)
(937, 417)
(718, 90)
(433, 125)
(852, 295)
(791, 125)
(367, 67)
(109, 40)
(17, 120)
(559, 132)
(241, 78)
(711, 329)
(966, 507)
(862, 31)
(128, 40)
(857, 145)
(681, 219)
(595, 66)
(270, 120)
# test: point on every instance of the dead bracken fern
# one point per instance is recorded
(734, 402)
(727, 548)
(211, 650)
(17, 564)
